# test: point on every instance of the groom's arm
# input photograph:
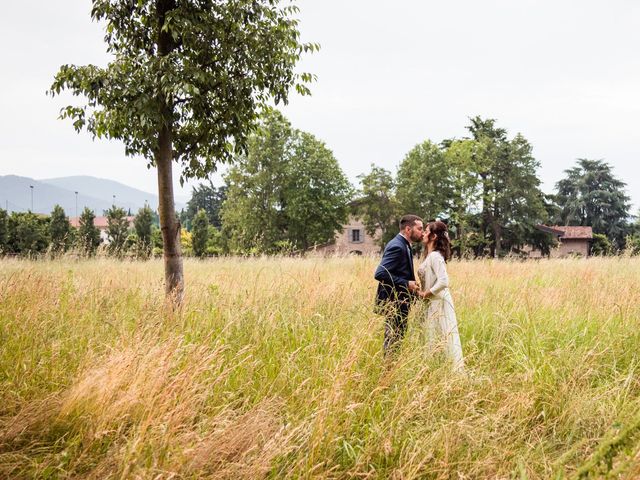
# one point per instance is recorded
(392, 256)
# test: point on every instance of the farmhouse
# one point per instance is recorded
(352, 239)
(572, 241)
(101, 224)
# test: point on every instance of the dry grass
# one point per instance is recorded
(274, 370)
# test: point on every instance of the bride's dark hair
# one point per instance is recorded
(443, 244)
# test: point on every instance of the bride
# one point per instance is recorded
(440, 317)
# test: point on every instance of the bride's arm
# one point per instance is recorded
(442, 278)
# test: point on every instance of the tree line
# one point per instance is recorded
(287, 193)
(32, 235)
(486, 187)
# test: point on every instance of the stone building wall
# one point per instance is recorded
(569, 247)
(353, 239)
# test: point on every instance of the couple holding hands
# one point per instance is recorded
(397, 288)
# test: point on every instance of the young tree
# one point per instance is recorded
(377, 204)
(591, 195)
(117, 230)
(200, 234)
(143, 224)
(88, 238)
(186, 84)
(59, 231)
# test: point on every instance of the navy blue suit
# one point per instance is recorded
(393, 298)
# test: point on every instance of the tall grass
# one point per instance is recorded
(274, 369)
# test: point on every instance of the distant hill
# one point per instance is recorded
(95, 193)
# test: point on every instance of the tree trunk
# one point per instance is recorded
(497, 239)
(462, 241)
(485, 211)
(173, 273)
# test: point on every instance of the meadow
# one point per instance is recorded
(274, 369)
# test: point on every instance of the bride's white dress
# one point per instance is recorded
(441, 326)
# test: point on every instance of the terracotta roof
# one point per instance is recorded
(100, 222)
(568, 233)
(576, 232)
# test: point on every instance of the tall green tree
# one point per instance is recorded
(423, 183)
(591, 195)
(316, 193)
(253, 213)
(187, 82)
(88, 238)
(4, 232)
(466, 194)
(632, 240)
(143, 224)
(27, 234)
(117, 231)
(200, 233)
(216, 243)
(206, 197)
(59, 231)
(287, 192)
(522, 204)
(512, 203)
(377, 205)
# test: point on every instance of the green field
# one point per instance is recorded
(273, 369)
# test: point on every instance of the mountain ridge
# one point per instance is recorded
(93, 192)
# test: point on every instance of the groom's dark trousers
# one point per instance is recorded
(393, 299)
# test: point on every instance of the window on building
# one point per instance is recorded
(355, 236)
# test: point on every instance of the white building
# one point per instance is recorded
(101, 224)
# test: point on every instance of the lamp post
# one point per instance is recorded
(114, 200)
(31, 187)
(76, 206)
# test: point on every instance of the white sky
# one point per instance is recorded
(566, 74)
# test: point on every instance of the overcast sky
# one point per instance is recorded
(565, 74)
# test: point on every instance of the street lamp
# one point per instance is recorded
(114, 200)
(76, 205)
(31, 187)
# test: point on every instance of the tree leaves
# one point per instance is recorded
(377, 204)
(228, 60)
(591, 195)
(485, 187)
(288, 191)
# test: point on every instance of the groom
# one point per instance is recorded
(397, 281)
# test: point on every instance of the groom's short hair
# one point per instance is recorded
(409, 221)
